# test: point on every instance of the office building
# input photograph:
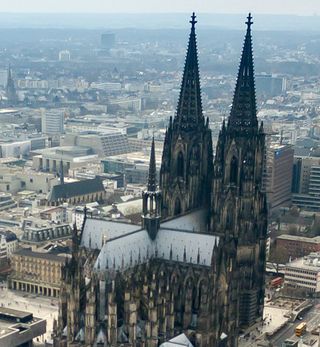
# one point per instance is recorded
(107, 143)
(269, 85)
(52, 122)
(304, 273)
(108, 40)
(278, 175)
(306, 183)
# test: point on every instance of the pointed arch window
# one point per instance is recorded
(180, 165)
(177, 207)
(229, 217)
(234, 171)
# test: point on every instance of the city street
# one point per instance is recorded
(313, 320)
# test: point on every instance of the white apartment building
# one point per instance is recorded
(52, 122)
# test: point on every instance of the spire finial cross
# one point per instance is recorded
(193, 20)
(249, 22)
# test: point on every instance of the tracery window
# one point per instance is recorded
(180, 165)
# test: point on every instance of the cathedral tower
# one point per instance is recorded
(239, 205)
(10, 88)
(185, 175)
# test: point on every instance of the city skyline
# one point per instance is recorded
(159, 173)
(142, 6)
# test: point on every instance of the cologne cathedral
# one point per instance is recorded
(196, 263)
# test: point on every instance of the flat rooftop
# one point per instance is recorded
(141, 157)
(311, 263)
(299, 238)
(47, 256)
(65, 151)
(14, 314)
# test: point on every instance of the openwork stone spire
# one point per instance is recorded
(243, 117)
(189, 111)
(10, 88)
(152, 178)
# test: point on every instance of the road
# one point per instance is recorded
(312, 318)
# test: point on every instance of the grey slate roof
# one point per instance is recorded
(98, 231)
(10, 236)
(47, 256)
(122, 246)
(70, 190)
(137, 247)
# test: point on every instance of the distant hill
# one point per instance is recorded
(156, 21)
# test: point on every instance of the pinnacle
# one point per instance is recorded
(152, 180)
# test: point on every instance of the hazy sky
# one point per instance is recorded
(302, 7)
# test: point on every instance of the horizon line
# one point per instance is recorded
(157, 13)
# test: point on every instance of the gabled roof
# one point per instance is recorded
(70, 190)
(137, 247)
(97, 231)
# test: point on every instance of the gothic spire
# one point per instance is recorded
(10, 88)
(152, 178)
(243, 114)
(189, 110)
(61, 172)
(9, 74)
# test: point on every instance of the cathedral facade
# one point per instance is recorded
(196, 263)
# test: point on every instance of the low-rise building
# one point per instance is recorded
(43, 233)
(15, 179)
(10, 240)
(36, 272)
(58, 214)
(304, 273)
(6, 201)
(103, 143)
(134, 166)
(69, 157)
(8, 245)
(298, 246)
(19, 328)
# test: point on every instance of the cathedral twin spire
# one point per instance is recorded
(243, 116)
(243, 112)
(186, 169)
(189, 110)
